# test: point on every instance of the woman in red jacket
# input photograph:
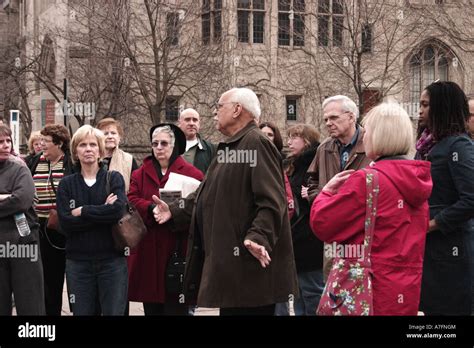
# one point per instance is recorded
(147, 262)
(338, 213)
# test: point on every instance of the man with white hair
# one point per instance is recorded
(199, 152)
(342, 150)
(240, 256)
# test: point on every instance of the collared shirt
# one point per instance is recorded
(191, 147)
(345, 150)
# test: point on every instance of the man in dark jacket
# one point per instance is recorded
(240, 255)
(343, 149)
(199, 152)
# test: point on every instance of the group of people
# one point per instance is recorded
(255, 234)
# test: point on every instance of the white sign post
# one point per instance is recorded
(15, 127)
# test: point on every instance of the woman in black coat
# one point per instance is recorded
(446, 284)
(308, 250)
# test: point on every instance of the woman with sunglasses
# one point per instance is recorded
(147, 262)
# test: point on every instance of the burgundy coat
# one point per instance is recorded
(147, 262)
(400, 229)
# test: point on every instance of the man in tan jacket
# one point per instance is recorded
(342, 150)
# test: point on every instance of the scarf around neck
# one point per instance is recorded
(425, 143)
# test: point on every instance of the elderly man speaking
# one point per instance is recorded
(240, 256)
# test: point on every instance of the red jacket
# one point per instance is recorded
(400, 229)
(147, 262)
(289, 197)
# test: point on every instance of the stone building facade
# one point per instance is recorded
(293, 53)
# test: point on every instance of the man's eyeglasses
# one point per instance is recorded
(163, 143)
(217, 106)
(333, 118)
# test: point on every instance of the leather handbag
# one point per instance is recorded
(130, 229)
(348, 289)
(174, 274)
(53, 220)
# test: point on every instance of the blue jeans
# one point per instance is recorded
(105, 280)
(311, 286)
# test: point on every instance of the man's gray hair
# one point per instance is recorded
(346, 103)
(248, 99)
(167, 130)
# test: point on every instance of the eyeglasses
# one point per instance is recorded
(217, 106)
(334, 118)
(163, 143)
(44, 140)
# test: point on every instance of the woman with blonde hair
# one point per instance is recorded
(338, 214)
(34, 146)
(95, 270)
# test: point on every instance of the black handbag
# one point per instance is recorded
(174, 275)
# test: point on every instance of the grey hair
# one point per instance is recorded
(167, 130)
(347, 104)
(248, 99)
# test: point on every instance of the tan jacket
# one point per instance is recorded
(326, 164)
(122, 162)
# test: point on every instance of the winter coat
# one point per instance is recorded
(204, 156)
(147, 262)
(400, 229)
(308, 249)
(235, 202)
(326, 164)
(446, 287)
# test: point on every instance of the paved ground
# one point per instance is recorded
(136, 308)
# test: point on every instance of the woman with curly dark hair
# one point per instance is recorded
(446, 284)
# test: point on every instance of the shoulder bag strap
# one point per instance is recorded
(372, 184)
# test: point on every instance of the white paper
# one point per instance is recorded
(183, 183)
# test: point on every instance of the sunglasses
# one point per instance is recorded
(163, 143)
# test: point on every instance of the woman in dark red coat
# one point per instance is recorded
(338, 212)
(147, 262)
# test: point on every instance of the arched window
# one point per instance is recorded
(47, 59)
(426, 66)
